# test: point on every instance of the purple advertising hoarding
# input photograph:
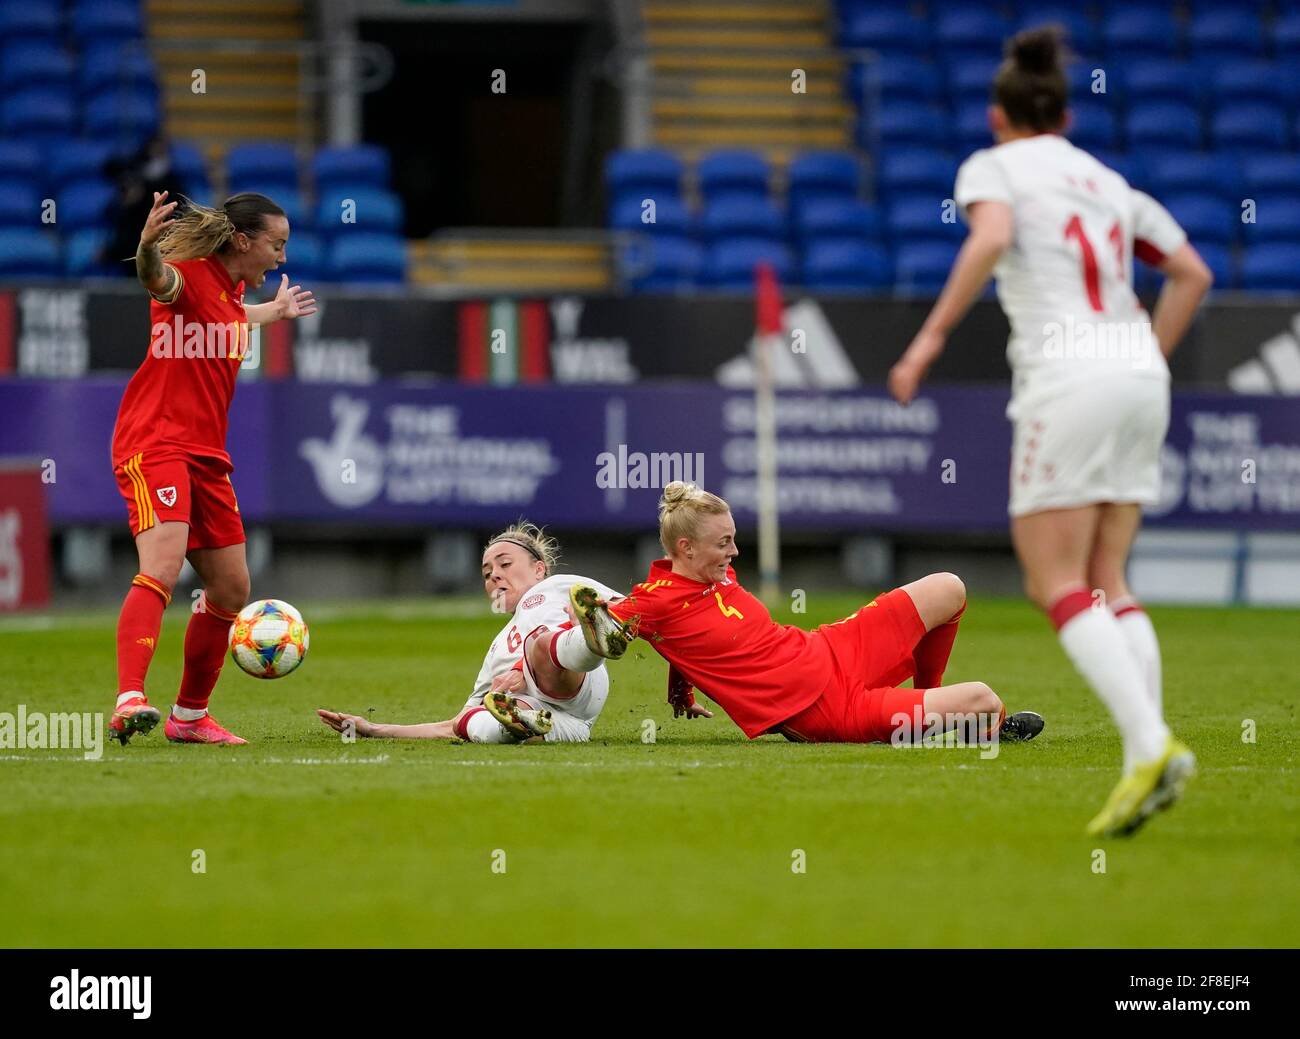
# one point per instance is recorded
(455, 455)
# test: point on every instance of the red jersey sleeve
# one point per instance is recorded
(641, 604)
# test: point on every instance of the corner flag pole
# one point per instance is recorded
(768, 340)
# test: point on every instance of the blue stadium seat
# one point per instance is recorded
(923, 266)
(1221, 263)
(839, 218)
(661, 264)
(1205, 218)
(1163, 123)
(118, 64)
(375, 210)
(76, 159)
(358, 164)
(1092, 125)
(20, 204)
(86, 203)
(1226, 33)
(1246, 81)
(32, 19)
(970, 30)
(1286, 37)
(304, 257)
(650, 170)
(1272, 175)
(971, 127)
(906, 123)
(733, 172)
(1276, 220)
(822, 175)
(915, 170)
(1080, 31)
(845, 266)
(670, 216)
(895, 78)
(1271, 267)
(889, 31)
(262, 164)
(190, 167)
(38, 115)
(1148, 80)
(1254, 126)
(107, 20)
(28, 253)
(36, 63)
(970, 79)
(127, 117)
(1140, 32)
(20, 161)
(1206, 173)
(83, 254)
(729, 264)
(368, 257)
(916, 218)
(741, 216)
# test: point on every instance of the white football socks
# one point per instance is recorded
(573, 653)
(188, 714)
(1095, 642)
(1140, 634)
(483, 728)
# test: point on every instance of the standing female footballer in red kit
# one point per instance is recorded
(169, 444)
(836, 684)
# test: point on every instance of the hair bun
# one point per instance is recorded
(1037, 51)
(677, 492)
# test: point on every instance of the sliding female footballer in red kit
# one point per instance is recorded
(169, 444)
(839, 683)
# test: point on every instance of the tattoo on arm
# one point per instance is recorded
(148, 264)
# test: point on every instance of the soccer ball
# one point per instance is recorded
(268, 639)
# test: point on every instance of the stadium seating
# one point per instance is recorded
(367, 257)
(1199, 105)
(28, 253)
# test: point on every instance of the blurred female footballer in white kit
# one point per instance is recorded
(1090, 390)
(556, 705)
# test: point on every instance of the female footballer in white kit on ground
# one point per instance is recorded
(1090, 390)
(555, 704)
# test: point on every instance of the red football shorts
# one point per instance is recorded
(872, 650)
(181, 489)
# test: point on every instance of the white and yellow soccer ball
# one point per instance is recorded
(268, 639)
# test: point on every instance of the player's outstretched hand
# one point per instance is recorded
(510, 682)
(160, 215)
(294, 301)
(692, 712)
(340, 722)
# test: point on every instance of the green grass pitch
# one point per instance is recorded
(688, 841)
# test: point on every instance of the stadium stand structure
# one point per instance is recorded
(1198, 104)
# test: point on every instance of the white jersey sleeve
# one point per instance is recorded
(981, 179)
(1156, 234)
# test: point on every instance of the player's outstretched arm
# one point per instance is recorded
(361, 727)
(991, 229)
(1187, 280)
(154, 275)
(291, 301)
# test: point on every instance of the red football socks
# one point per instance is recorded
(207, 637)
(931, 654)
(137, 631)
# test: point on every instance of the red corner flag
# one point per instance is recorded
(767, 298)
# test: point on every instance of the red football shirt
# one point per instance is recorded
(726, 644)
(178, 401)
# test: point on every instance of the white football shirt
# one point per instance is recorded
(1066, 283)
(543, 603)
